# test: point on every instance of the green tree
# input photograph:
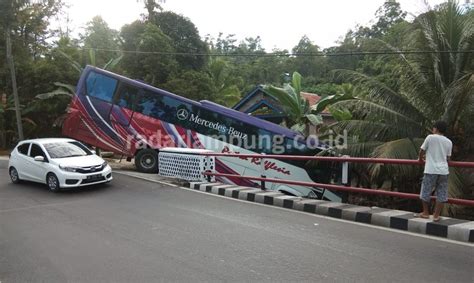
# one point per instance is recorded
(191, 84)
(306, 61)
(388, 15)
(24, 25)
(153, 60)
(185, 39)
(225, 83)
(151, 6)
(101, 38)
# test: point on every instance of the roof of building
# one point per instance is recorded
(312, 98)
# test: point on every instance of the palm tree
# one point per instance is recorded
(297, 109)
(389, 123)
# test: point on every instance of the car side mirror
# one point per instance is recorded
(39, 158)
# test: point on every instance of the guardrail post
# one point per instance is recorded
(345, 171)
(262, 172)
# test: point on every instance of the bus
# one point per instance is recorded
(134, 119)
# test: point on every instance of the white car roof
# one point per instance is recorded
(48, 140)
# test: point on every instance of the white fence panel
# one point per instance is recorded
(185, 163)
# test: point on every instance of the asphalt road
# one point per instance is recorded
(137, 231)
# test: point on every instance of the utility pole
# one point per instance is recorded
(11, 65)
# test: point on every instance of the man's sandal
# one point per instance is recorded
(436, 219)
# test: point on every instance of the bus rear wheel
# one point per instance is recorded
(146, 161)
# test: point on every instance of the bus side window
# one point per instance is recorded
(101, 86)
(148, 104)
(126, 96)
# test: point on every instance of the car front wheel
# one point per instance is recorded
(14, 176)
(52, 182)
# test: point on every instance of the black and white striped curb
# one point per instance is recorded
(454, 229)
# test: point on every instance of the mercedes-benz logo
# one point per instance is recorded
(182, 114)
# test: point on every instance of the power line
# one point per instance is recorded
(277, 54)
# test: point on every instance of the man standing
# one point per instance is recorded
(437, 149)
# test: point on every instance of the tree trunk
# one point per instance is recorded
(11, 65)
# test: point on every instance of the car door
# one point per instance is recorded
(21, 161)
(37, 169)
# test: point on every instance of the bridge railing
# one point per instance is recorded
(345, 160)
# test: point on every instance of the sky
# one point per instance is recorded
(280, 24)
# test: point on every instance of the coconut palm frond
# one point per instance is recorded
(397, 124)
(465, 43)
(452, 22)
(376, 112)
(378, 92)
(420, 93)
(455, 183)
(358, 149)
(397, 149)
(323, 103)
(458, 96)
(431, 35)
(447, 29)
(367, 130)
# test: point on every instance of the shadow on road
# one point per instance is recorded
(29, 188)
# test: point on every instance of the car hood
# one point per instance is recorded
(80, 161)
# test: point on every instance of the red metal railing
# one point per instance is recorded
(338, 187)
(340, 159)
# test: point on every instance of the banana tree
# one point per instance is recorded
(295, 106)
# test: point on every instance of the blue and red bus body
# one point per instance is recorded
(98, 116)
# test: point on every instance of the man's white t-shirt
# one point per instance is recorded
(437, 148)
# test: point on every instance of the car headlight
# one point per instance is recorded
(104, 164)
(67, 168)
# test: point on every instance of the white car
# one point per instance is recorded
(58, 163)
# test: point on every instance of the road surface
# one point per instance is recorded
(137, 231)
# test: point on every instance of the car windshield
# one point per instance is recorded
(66, 149)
